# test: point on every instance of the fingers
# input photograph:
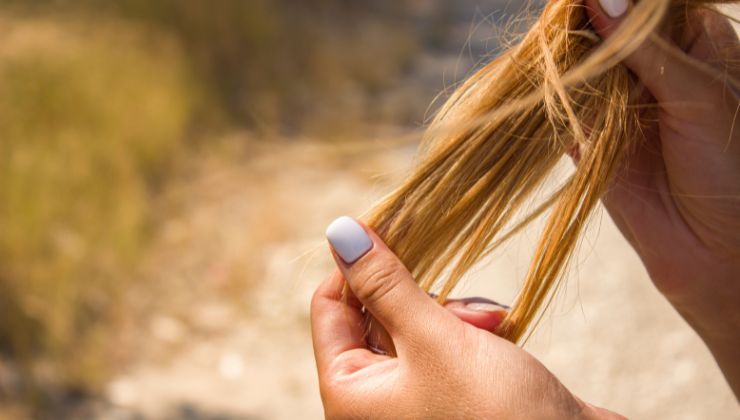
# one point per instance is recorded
(336, 327)
(381, 282)
(478, 312)
(668, 72)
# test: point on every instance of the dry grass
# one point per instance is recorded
(102, 106)
(88, 133)
(272, 64)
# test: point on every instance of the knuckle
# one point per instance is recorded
(322, 295)
(378, 280)
(315, 301)
(319, 295)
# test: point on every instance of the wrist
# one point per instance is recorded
(705, 293)
(724, 348)
(709, 306)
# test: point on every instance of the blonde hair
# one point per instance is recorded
(499, 137)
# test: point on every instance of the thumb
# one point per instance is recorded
(667, 71)
(382, 283)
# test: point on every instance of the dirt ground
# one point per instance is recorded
(611, 338)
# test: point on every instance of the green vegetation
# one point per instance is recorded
(281, 62)
(99, 101)
(271, 63)
(87, 132)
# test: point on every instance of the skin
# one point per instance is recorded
(445, 367)
(677, 202)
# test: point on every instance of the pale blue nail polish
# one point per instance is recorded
(348, 238)
(614, 8)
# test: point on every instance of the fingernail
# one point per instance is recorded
(348, 239)
(484, 307)
(614, 8)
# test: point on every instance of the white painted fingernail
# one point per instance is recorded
(484, 307)
(614, 8)
(348, 239)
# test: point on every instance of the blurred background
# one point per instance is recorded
(167, 169)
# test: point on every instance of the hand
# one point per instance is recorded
(677, 199)
(477, 311)
(446, 368)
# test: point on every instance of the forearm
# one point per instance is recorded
(727, 355)
(723, 341)
(713, 311)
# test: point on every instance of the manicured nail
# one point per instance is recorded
(484, 307)
(348, 239)
(614, 8)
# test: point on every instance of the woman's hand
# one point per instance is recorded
(446, 368)
(677, 199)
